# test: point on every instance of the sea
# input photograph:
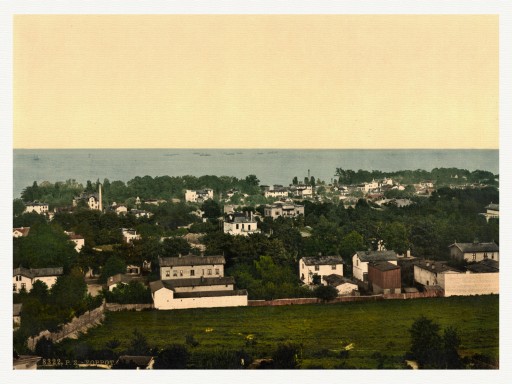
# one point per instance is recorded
(271, 166)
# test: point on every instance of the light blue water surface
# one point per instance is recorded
(271, 166)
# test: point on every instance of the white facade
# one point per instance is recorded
(191, 271)
(198, 196)
(129, 235)
(237, 224)
(25, 278)
(323, 266)
(474, 252)
(78, 240)
(276, 193)
(164, 299)
(283, 209)
(360, 262)
(20, 232)
(41, 208)
(303, 190)
(467, 284)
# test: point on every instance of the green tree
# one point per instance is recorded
(211, 209)
(113, 266)
(285, 356)
(18, 207)
(451, 343)
(139, 344)
(174, 356)
(295, 180)
(350, 244)
(426, 343)
(325, 292)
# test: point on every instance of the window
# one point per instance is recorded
(492, 255)
(485, 255)
(18, 278)
(181, 273)
(167, 273)
(474, 256)
(209, 272)
(217, 272)
(14, 287)
(333, 267)
(237, 226)
(23, 286)
(192, 273)
(175, 273)
(249, 227)
(317, 267)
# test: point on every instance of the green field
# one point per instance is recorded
(377, 330)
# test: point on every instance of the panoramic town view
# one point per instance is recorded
(247, 192)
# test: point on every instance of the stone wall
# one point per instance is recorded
(72, 329)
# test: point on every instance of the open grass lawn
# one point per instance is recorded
(378, 330)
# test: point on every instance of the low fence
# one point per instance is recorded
(115, 307)
(72, 329)
(344, 299)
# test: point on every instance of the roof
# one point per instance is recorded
(122, 278)
(494, 207)
(476, 247)
(191, 260)
(367, 256)
(197, 282)
(23, 230)
(323, 260)
(383, 266)
(38, 272)
(434, 266)
(484, 266)
(156, 285)
(185, 295)
(16, 309)
(336, 280)
(234, 218)
(35, 204)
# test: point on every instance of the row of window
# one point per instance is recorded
(192, 272)
(15, 288)
(333, 267)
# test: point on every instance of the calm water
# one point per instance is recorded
(271, 166)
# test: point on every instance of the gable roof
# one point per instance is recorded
(156, 285)
(323, 260)
(23, 230)
(476, 247)
(494, 207)
(367, 256)
(190, 260)
(38, 272)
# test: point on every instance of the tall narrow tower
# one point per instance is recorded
(100, 198)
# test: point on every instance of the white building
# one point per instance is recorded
(119, 209)
(129, 235)
(474, 251)
(77, 239)
(240, 224)
(283, 209)
(322, 266)
(343, 285)
(37, 207)
(277, 191)
(481, 278)
(195, 282)
(25, 278)
(138, 213)
(302, 190)
(361, 259)
(198, 196)
(492, 212)
(20, 232)
(191, 266)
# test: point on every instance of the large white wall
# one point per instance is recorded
(164, 299)
(465, 284)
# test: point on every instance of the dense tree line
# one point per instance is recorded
(440, 176)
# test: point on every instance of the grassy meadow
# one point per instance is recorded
(377, 331)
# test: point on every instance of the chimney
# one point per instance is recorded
(179, 254)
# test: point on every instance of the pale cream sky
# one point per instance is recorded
(256, 81)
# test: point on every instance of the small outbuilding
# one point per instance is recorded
(384, 277)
